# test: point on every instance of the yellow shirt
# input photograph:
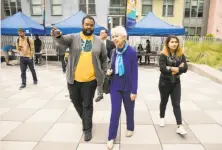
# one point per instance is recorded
(85, 71)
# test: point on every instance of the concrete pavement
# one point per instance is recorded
(41, 117)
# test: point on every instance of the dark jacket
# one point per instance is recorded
(38, 45)
(109, 46)
(166, 74)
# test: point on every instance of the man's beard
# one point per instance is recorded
(85, 32)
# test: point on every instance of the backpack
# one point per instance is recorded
(27, 42)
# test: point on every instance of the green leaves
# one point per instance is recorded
(207, 52)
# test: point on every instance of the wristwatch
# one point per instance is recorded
(169, 68)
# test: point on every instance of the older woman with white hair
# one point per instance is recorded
(124, 83)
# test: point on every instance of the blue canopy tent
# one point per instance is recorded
(10, 25)
(73, 24)
(151, 25)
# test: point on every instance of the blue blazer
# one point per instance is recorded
(129, 81)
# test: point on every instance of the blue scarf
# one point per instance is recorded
(119, 66)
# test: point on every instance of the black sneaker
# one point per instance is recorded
(9, 64)
(22, 86)
(88, 136)
(35, 82)
(99, 98)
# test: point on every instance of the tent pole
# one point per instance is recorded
(166, 10)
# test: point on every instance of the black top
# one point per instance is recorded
(148, 48)
(38, 44)
(165, 61)
(109, 46)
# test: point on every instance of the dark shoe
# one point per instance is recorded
(99, 98)
(88, 136)
(35, 82)
(22, 86)
(9, 64)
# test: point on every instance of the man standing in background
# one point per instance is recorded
(109, 46)
(25, 46)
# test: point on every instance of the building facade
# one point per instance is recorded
(215, 19)
(108, 13)
(191, 14)
(196, 15)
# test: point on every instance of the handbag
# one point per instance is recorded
(107, 80)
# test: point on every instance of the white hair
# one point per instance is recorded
(119, 30)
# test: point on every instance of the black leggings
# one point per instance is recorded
(167, 88)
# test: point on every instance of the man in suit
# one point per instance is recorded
(108, 43)
(86, 68)
(109, 46)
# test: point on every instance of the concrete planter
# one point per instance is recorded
(206, 71)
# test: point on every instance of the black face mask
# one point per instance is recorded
(86, 32)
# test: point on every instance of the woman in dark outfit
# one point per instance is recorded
(172, 64)
(140, 49)
(148, 50)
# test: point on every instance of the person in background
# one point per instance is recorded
(124, 83)
(172, 64)
(6, 51)
(38, 45)
(25, 46)
(109, 46)
(140, 50)
(148, 50)
(61, 51)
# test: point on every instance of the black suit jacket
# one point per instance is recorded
(109, 46)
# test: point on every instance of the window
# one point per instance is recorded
(192, 31)
(117, 7)
(56, 9)
(12, 6)
(36, 7)
(187, 8)
(147, 6)
(194, 5)
(194, 8)
(169, 7)
(186, 30)
(198, 31)
(88, 6)
(200, 8)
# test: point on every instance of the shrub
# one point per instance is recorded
(209, 53)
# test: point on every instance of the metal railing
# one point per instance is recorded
(47, 44)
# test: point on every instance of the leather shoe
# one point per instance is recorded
(88, 136)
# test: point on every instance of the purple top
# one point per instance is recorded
(129, 81)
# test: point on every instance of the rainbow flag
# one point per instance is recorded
(130, 14)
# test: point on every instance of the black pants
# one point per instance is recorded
(61, 57)
(167, 88)
(139, 58)
(82, 94)
(24, 63)
(147, 58)
(38, 59)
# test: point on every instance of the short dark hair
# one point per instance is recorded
(21, 30)
(105, 31)
(88, 17)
